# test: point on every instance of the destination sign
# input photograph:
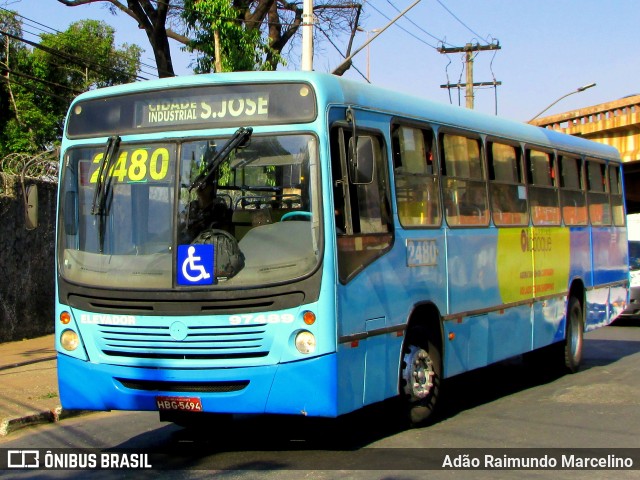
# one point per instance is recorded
(252, 107)
(192, 108)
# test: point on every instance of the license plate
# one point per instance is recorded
(187, 404)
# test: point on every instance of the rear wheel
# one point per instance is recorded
(574, 336)
(420, 376)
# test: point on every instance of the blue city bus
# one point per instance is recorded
(297, 243)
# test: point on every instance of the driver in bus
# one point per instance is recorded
(205, 212)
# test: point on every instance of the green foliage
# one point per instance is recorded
(242, 46)
(40, 83)
(87, 58)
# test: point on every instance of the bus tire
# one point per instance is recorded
(572, 351)
(420, 377)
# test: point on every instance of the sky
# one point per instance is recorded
(549, 48)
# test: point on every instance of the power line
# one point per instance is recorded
(402, 28)
(338, 50)
(339, 70)
(170, 7)
(52, 51)
(81, 62)
(41, 80)
(32, 88)
(55, 31)
(31, 21)
(417, 26)
(460, 21)
(220, 17)
(69, 55)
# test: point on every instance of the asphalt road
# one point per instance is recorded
(513, 405)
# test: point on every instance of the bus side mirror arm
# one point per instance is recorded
(352, 160)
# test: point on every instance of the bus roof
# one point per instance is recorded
(331, 89)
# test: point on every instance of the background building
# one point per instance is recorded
(615, 123)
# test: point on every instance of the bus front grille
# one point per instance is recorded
(185, 356)
(189, 343)
(196, 387)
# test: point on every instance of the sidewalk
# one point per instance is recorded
(29, 384)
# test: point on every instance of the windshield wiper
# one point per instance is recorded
(103, 183)
(102, 193)
(240, 139)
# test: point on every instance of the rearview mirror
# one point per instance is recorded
(31, 207)
(361, 163)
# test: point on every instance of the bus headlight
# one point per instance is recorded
(69, 340)
(305, 342)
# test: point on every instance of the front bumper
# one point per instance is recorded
(307, 387)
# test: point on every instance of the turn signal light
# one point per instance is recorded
(65, 318)
(309, 317)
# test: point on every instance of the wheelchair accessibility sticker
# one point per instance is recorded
(195, 265)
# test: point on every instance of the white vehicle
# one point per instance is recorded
(633, 233)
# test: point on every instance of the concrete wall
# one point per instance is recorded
(26, 262)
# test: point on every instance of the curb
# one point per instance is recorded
(8, 425)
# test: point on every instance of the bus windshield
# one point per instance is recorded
(258, 208)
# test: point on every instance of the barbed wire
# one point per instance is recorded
(43, 165)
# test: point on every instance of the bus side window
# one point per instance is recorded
(617, 204)
(416, 180)
(598, 193)
(543, 190)
(572, 194)
(362, 210)
(506, 182)
(464, 186)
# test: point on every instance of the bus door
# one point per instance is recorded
(363, 239)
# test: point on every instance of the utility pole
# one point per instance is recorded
(307, 35)
(469, 49)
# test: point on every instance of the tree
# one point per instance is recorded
(224, 45)
(251, 34)
(85, 57)
(12, 55)
(152, 16)
(40, 83)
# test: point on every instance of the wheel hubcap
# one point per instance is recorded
(418, 373)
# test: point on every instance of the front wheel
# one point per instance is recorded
(420, 377)
(574, 336)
